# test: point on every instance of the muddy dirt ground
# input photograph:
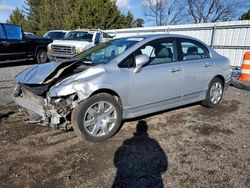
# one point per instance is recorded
(185, 147)
(190, 146)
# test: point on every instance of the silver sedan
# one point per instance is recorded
(120, 79)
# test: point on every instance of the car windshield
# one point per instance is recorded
(55, 34)
(105, 52)
(77, 35)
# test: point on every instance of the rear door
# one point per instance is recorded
(3, 44)
(197, 67)
(16, 42)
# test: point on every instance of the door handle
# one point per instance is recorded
(207, 65)
(174, 70)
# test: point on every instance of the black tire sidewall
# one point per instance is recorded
(208, 101)
(79, 113)
(38, 56)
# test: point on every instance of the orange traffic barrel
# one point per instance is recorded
(245, 68)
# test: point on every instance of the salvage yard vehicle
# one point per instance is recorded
(121, 79)
(15, 46)
(74, 43)
(29, 34)
(56, 34)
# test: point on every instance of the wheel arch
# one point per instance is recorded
(221, 78)
(108, 91)
(40, 47)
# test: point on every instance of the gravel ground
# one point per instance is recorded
(7, 83)
(191, 146)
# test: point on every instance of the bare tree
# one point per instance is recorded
(164, 12)
(202, 11)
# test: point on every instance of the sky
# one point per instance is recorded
(7, 6)
(135, 6)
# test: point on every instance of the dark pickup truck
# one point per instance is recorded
(15, 46)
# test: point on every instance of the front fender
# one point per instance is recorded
(82, 89)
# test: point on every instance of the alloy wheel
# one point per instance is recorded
(100, 118)
(216, 92)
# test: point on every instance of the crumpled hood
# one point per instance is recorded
(37, 73)
(45, 73)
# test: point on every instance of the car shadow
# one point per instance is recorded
(140, 161)
(5, 115)
(21, 63)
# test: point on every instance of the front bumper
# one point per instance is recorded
(59, 56)
(41, 110)
(29, 105)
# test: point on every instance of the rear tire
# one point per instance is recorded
(97, 118)
(41, 56)
(214, 93)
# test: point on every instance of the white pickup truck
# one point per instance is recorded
(74, 43)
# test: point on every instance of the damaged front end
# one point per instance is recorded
(49, 100)
(54, 112)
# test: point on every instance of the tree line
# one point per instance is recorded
(40, 16)
(169, 12)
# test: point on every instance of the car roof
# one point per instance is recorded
(87, 30)
(10, 24)
(159, 36)
(59, 30)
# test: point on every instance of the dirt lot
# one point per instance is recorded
(186, 147)
(7, 74)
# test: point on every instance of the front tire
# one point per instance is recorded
(41, 56)
(214, 93)
(97, 118)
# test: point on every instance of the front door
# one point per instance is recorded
(159, 82)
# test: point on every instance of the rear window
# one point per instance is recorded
(55, 35)
(2, 32)
(14, 32)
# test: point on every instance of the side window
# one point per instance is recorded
(2, 33)
(97, 38)
(13, 32)
(129, 62)
(159, 51)
(192, 50)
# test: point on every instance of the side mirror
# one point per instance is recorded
(97, 38)
(140, 60)
(97, 41)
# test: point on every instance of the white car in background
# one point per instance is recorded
(74, 43)
(56, 34)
